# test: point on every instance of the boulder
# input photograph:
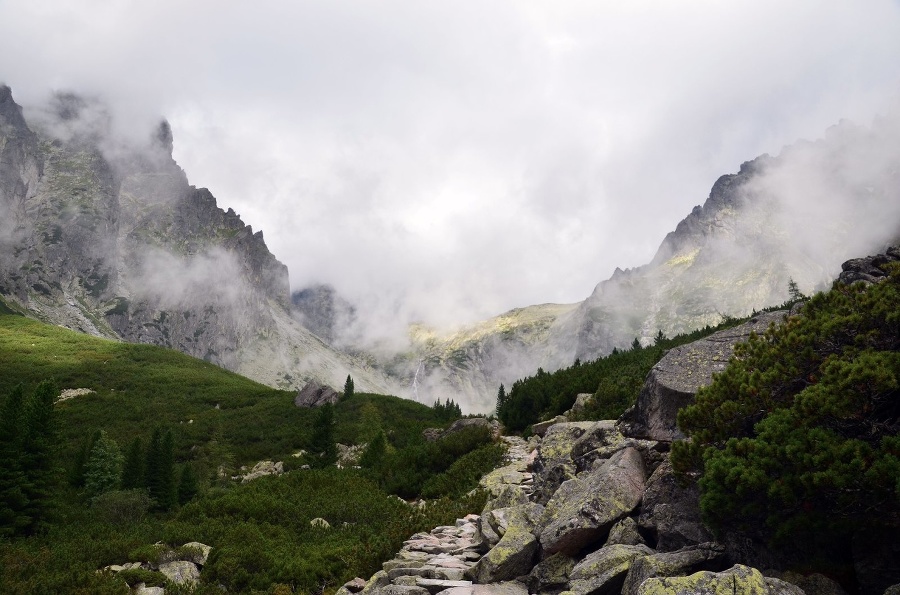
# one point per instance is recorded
(510, 558)
(316, 395)
(671, 511)
(403, 590)
(492, 425)
(525, 516)
(706, 556)
(505, 588)
(584, 509)
(180, 572)
(819, 584)
(320, 523)
(581, 402)
(554, 464)
(550, 576)
(674, 380)
(355, 585)
(201, 552)
(378, 581)
(625, 532)
(432, 434)
(868, 269)
(604, 571)
(434, 586)
(737, 580)
(540, 428)
(262, 469)
(143, 589)
(780, 587)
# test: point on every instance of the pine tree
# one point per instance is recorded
(103, 471)
(133, 468)
(167, 494)
(374, 453)
(348, 388)
(322, 443)
(37, 449)
(76, 473)
(13, 499)
(187, 484)
(501, 400)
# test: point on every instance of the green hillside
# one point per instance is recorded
(216, 422)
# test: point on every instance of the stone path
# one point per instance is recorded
(437, 561)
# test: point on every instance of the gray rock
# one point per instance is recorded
(378, 581)
(436, 585)
(892, 590)
(510, 558)
(550, 575)
(671, 511)
(316, 395)
(780, 587)
(540, 428)
(504, 588)
(737, 580)
(603, 572)
(583, 510)
(180, 572)
(201, 554)
(706, 556)
(674, 380)
(493, 426)
(143, 589)
(868, 269)
(432, 434)
(581, 402)
(355, 585)
(625, 532)
(819, 584)
(262, 469)
(403, 590)
(554, 463)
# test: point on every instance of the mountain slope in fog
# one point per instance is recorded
(795, 216)
(107, 237)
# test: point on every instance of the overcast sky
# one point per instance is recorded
(447, 161)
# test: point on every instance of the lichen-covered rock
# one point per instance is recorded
(706, 556)
(738, 580)
(316, 395)
(554, 464)
(262, 469)
(200, 552)
(671, 511)
(510, 558)
(674, 380)
(583, 509)
(374, 585)
(780, 587)
(625, 532)
(551, 575)
(540, 428)
(603, 572)
(180, 572)
(491, 425)
(504, 588)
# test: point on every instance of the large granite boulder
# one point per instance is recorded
(868, 269)
(316, 395)
(671, 511)
(554, 464)
(491, 425)
(706, 556)
(550, 576)
(180, 572)
(604, 571)
(674, 380)
(738, 580)
(583, 510)
(510, 558)
(625, 532)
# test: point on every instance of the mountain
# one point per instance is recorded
(796, 216)
(105, 235)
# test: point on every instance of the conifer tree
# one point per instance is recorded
(167, 496)
(322, 443)
(501, 400)
(187, 484)
(37, 450)
(133, 467)
(348, 388)
(13, 500)
(103, 471)
(76, 473)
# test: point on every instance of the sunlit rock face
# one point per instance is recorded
(796, 216)
(106, 236)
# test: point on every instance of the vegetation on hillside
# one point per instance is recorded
(800, 435)
(149, 455)
(615, 381)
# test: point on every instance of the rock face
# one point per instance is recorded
(316, 395)
(583, 509)
(107, 237)
(739, 580)
(674, 380)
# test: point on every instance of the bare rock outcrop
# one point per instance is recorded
(674, 380)
(316, 395)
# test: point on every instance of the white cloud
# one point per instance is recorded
(450, 160)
